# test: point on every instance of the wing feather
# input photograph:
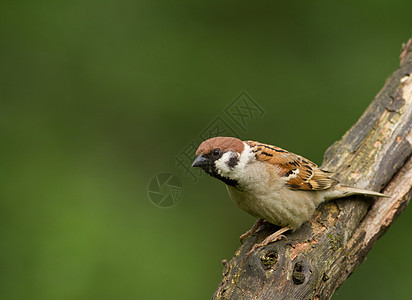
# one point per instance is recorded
(299, 173)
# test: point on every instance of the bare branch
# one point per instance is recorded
(316, 259)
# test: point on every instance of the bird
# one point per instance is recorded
(270, 183)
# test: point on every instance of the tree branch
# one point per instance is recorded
(316, 259)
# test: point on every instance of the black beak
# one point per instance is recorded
(200, 161)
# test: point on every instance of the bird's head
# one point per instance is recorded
(223, 158)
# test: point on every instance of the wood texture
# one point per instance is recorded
(316, 259)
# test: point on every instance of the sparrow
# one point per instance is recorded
(270, 183)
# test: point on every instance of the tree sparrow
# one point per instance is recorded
(270, 183)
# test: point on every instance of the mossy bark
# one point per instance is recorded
(316, 259)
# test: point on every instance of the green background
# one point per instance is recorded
(97, 97)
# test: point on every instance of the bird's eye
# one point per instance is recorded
(216, 152)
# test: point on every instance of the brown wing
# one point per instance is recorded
(300, 173)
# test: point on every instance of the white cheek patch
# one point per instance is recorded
(245, 157)
(238, 172)
(221, 164)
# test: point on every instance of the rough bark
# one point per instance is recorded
(316, 259)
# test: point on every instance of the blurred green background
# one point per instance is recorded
(97, 97)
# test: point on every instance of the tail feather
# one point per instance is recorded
(341, 191)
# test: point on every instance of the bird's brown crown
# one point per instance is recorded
(221, 142)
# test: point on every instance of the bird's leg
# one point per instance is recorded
(270, 239)
(252, 230)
